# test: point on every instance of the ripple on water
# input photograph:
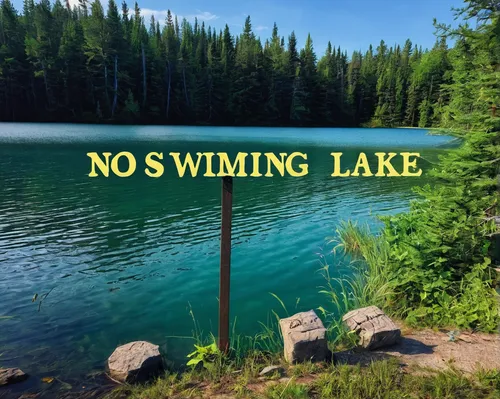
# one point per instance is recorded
(123, 259)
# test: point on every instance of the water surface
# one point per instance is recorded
(125, 259)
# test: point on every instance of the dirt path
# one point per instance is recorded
(427, 349)
(435, 349)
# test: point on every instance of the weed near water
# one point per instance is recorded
(368, 253)
(268, 340)
(246, 356)
(366, 282)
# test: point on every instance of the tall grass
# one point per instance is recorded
(367, 280)
(248, 352)
(365, 283)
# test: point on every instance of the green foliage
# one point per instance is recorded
(439, 252)
(385, 379)
(378, 380)
(432, 265)
(131, 107)
(206, 355)
(250, 350)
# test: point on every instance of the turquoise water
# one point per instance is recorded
(125, 259)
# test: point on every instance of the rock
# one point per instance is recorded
(271, 369)
(465, 338)
(304, 338)
(11, 376)
(374, 327)
(135, 362)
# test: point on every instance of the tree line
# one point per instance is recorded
(87, 64)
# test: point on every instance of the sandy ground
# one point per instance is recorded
(434, 349)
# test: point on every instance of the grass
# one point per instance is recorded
(365, 284)
(383, 379)
(288, 389)
(369, 254)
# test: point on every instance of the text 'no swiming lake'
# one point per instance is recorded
(126, 259)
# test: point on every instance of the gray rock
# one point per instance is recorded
(135, 362)
(271, 369)
(304, 338)
(374, 328)
(11, 376)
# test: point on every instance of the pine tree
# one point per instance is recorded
(354, 91)
(73, 72)
(368, 87)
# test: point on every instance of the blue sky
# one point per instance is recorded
(352, 24)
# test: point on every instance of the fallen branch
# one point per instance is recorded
(43, 297)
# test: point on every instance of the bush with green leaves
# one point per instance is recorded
(439, 259)
(433, 264)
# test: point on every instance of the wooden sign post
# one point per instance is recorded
(225, 262)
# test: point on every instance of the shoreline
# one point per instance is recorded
(422, 354)
(426, 355)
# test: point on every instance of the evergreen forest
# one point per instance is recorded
(87, 64)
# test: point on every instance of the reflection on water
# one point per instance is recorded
(122, 259)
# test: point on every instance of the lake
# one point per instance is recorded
(126, 259)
